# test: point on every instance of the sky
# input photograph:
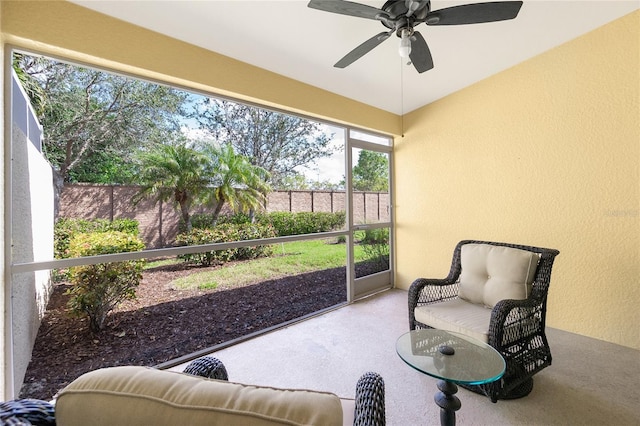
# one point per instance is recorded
(329, 168)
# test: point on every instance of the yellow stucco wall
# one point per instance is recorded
(546, 153)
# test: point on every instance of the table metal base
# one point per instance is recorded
(448, 402)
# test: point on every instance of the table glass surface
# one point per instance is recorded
(473, 363)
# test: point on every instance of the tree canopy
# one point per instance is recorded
(235, 181)
(371, 173)
(272, 140)
(177, 173)
(93, 120)
(190, 177)
(96, 123)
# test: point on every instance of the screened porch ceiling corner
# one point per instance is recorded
(290, 39)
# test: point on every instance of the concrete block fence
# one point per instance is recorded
(159, 221)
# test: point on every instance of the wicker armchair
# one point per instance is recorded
(516, 328)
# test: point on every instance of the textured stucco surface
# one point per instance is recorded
(4, 347)
(546, 153)
(32, 227)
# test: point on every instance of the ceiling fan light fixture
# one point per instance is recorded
(405, 44)
(412, 6)
(433, 19)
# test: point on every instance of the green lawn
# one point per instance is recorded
(288, 259)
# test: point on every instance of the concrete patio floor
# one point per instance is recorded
(590, 382)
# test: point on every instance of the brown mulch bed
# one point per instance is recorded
(164, 323)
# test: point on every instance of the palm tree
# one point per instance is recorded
(235, 181)
(177, 173)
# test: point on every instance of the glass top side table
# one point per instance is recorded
(452, 358)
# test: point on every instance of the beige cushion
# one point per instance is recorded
(145, 396)
(457, 315)
(348, 411)
(493, 273)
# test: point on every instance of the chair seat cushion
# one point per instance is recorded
(145, 396)
(492, 273)
(456, 315)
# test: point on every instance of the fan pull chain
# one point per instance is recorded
(401, 99)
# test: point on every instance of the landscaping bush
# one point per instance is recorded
(66, 228)
(376, 236)
(204, 220)
(287, 223)
(255, 232)
(236, 219)
(198, 236)
(375, 246)
(223, 233)
(97, 289)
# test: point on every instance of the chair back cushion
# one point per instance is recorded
(145, 396)
(493, 273)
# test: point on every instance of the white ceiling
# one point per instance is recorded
(287, 37)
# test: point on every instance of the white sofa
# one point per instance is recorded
(131, 395)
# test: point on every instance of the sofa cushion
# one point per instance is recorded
(145, 396)
(456, 315)
(493, 273)
(348, 411)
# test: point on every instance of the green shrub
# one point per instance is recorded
(375, 246)
(66, 228)
(376, 236)
(196, 236)
(287, 223)
(255, 232)
(224, 233)
(97, 289)
(204, 220)
(236, 219)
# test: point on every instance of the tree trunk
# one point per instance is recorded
(58, 186)
(184, 209)
(216, 212)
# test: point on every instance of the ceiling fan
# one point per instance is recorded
(402, 16)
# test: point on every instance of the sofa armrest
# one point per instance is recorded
(207, 366)
(370, 410)
(26, 412)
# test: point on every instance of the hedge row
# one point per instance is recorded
(222, 233)
(285, 223)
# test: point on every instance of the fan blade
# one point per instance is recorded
(474, 13)
(362, 50)
(420, 54)
(347, 8)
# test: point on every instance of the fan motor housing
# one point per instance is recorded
(397, 10)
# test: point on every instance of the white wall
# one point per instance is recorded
(5, 345)
(32, 240)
